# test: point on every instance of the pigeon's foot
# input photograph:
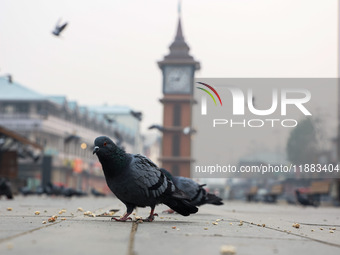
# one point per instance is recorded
(123, 219)
(169, 211)
(150, 218)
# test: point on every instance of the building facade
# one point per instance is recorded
(65, 131)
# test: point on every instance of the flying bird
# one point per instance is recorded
(137, 181)
(197, 194)
(59, 28)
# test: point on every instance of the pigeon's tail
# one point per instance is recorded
(180, 205)
(213, 199)
(180, 202)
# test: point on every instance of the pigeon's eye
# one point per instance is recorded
(105, 144)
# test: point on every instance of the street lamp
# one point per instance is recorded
(83, 146)
(187, 130)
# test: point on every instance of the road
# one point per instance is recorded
(246, 228)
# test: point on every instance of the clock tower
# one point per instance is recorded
(178, 69)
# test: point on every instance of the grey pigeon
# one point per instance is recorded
(137, 181)
(59, 28)
(5, 188)
(307, 200)
(197, 194)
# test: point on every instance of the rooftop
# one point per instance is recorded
(110, 109)
(15, 91)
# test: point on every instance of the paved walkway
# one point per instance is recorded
(248, 228)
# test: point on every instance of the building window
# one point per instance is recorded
(22, 108)
(176, 145)
(9, 109)
(177, 115)
(175, 170)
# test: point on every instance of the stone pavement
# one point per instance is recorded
(249, 228)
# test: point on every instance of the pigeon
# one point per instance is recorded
(26, 191)
(305, 200)
(96, 193)
(59, 28)
(137, 181)
(5, 188)
(198, 195)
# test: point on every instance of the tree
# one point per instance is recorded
(302, 145)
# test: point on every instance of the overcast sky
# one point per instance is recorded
(109, 50)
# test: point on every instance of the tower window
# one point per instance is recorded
(176, 145)
(177, 115)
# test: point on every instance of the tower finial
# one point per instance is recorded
(179, 8)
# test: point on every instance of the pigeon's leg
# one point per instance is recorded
(152, 215)
(129, 209)
(124, 218)
(169, 211)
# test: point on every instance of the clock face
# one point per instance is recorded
(177, 79)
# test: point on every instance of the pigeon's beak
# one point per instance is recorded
(96, 148)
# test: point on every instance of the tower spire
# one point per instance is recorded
(179, 33)
(179, 8)
(179, 49)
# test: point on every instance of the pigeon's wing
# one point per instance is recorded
(55, 31)
(148, 177)
(62, 27)
(188, 186)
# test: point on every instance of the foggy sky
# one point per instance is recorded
(108, 53)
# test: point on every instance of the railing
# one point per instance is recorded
(15, 116)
